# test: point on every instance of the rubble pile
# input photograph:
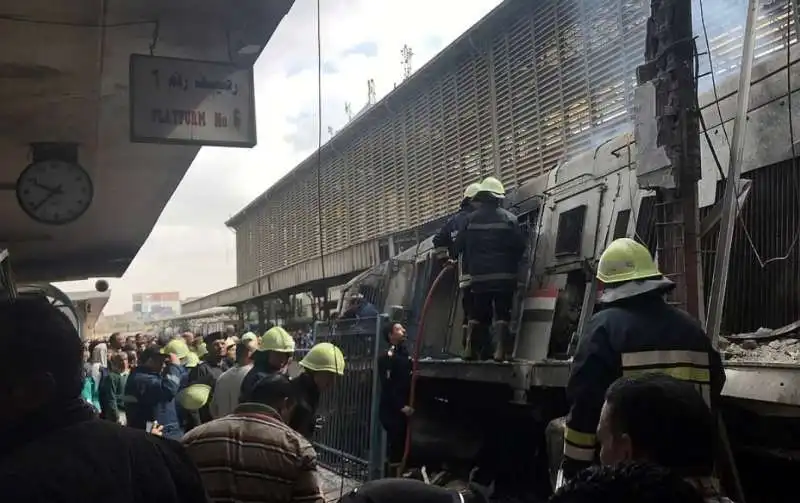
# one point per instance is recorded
(783, 350)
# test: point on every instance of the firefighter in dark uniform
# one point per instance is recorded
(443, 243)
(636, 331)
(492, 245)
(394, 369)
(322, 366)
(275, 351)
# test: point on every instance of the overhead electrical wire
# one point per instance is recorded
(319, 184)
(795, 178)
(319, 141)
(711, 70)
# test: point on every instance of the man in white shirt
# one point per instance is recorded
(229, 384)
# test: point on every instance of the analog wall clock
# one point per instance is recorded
(54, 192)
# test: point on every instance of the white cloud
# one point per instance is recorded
(190, 249)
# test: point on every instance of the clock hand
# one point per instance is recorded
(53, 192)
(45, 187)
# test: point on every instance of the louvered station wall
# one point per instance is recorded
(563, 73)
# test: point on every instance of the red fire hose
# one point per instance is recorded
(415, 362)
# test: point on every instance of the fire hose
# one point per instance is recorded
(415, 362)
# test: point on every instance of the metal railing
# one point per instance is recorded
(351, 441)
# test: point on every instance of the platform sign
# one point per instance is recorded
(188, 102)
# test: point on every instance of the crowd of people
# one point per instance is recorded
(216, 418)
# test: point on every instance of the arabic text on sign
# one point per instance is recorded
(178, 82)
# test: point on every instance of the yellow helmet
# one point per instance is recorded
(626, 260)
(178, 347)
(471, 190)
(249, 336)
(493, 186)
(194, 396)
(191, 360)
(277, 339)
(201, 349)
(324, 357)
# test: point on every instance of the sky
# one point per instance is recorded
(361, 40)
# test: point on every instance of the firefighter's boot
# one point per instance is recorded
(484, 339)
(504, 343)
(470, 342)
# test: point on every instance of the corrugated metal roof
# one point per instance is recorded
(563, 73)
(484, 27)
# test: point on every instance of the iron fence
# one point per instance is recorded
(351, 441)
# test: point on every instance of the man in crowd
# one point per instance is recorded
(657, 418)
(322, 366)
(150, 392)
(112, 389)
(252, 454)
(395, 378)
(229, 384)
(115, 342)
(627, 483)
(206, 373)
(272, 355)
(52, 445)
(636, 332)
(359, 308)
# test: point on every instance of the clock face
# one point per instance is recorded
(54, 192)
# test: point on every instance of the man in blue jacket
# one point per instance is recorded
(150, 392)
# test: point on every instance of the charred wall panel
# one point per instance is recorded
(764, 282)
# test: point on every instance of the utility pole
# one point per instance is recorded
(670, 161)
(668, 148)
(348, 110)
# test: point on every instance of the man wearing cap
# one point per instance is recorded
(272, 356)
(150, 392)
(252, 454)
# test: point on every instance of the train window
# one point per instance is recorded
(570, 231)
(621, 225)
(383, 251)
(645, 227)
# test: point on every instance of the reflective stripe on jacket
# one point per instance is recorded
(491, 245)
(633, 336)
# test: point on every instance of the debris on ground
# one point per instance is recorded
(334, 485)
(765, 345)
(784, 350)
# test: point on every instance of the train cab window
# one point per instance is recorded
(621, 225)
(645, 226)
(570, 231)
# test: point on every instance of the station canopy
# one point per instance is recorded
(64, 81)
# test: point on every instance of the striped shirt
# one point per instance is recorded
(253, 456)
